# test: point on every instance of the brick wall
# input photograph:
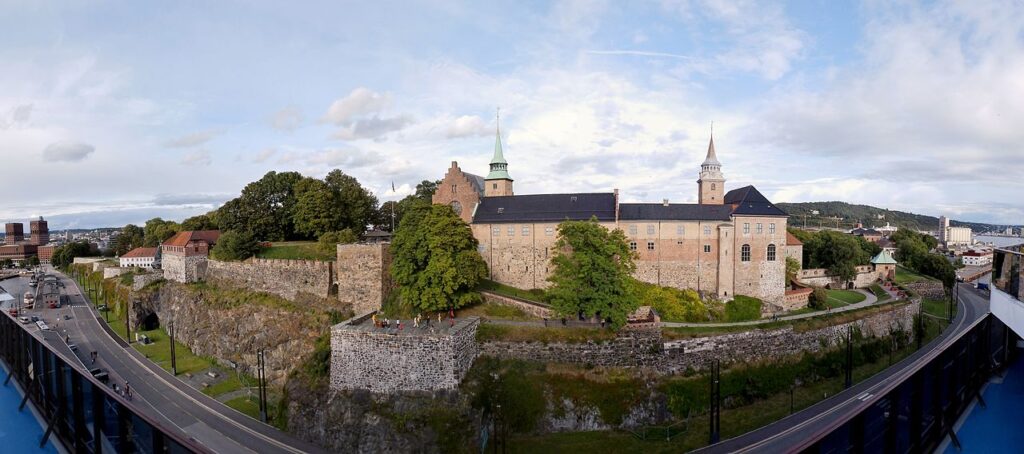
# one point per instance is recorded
(363, 275)
(285, 278)
(388, 360)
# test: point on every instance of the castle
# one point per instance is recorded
(729, 243)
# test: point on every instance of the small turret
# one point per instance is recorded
(711, 185)
(498, 182)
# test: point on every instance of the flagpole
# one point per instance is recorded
(393, 209)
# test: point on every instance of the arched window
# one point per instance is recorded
(745, 253)
(771, 252)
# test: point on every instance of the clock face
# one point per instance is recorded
(457, 207)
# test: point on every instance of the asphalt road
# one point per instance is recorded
(156, 392)
(793, 433)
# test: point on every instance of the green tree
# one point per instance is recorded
(426, 189)
(383, 216)
(792, 268)
(329, 241)
(157, 230)
(819, 299)
(33, 261)
(840, 253)
(199, 222)
(264, 208)
(358, 206)
(435, 260)
(593, 267)
(235, 245)
(64, 255)
(316, 208)
(131, 237)
(6, 263)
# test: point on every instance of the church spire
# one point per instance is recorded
(499, 167)
(711, 159)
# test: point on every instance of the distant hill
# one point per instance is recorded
(870, 216)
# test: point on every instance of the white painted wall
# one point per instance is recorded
(1009, 310)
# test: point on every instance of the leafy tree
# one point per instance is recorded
(792, 268)
(672, 304)
(593, 269)
(435, 261)
(157, 230)
(264, 208)
(235, 245)
(131, 237)
(6, 263)
(426, 189)
(383, 216)
(33, 261)
(329, 241)
(199, 222)
(316, 208)
(840, 253)
(819, 299)
(357, 204)
(64, 255)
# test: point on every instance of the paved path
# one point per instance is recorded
(869, 299)
(173, 403)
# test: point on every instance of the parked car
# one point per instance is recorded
(24, 320)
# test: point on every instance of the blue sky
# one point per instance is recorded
(115, 112)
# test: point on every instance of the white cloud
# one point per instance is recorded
(287, 119)
(263, 155)
(199, 157)
(373, 127)
(361, 101)
(18, 116)
(468, 126)
(67, 151)
(192, 140)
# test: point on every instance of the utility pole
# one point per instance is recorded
(127, 326)
(261, 383)
(849, 357)
(715, 404)
(174, 358)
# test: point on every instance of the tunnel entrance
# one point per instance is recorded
(150, 322)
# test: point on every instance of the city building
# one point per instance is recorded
(15, 232)
(958, 236)
(976, 258)
(17, 252)
(40, 233)
(943, 228)
(46, 253)
(871, 235)
(730, 243)
(141, 257)
(1007, 299)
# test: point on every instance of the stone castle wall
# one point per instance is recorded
(141, 280)
(115, 271)
(363, 275)
(284, 278)
(636, 350)
(529, 308)
(387, 360)
(184, 269)
(820, 277)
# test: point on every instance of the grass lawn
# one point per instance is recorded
(845, 297)
(555, 333)
(880, 293)
(296, 250)
(496, 311)
(935, 307)
(535, 295)
(906, 276)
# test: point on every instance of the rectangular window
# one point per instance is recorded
(746, 228)
(632, 229)
(549, 231)
(526, 231)
(759, 229)
(650, 245)
(511, 230)
(771, 228)
(680, 230)
(632, 245)
(495, 186)
(707, 248)
(496, 231)
(771, 252)
(650, 229)
(745, 253)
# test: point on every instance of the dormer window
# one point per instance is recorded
(501, 210)
(572, 198)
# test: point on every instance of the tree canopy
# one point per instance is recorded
(64, 255)
(157, 230)
(435, 260)
(131, 237)
(200, 222)
(316, 208)
(913, 251)
(593, 267)
(838, 252)
(235, 245)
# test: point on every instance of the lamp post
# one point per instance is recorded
(261, 383)
(127, 317)
(174, 358)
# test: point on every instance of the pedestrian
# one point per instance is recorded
(375, 319)
(399, 323)
(438, 318)
(67, 339)
(545, 321)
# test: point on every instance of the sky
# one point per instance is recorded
(118, 111)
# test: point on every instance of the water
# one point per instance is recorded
(19, 431)
(999, 241)
(999, 427)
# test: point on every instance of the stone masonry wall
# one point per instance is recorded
(387, 361)
(114, 272)
(535, 310)
(183, 269)
(679, 355)
(819, 277)
(141, 280)
(284, 278)
(363, 275)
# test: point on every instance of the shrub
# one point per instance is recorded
(670, 303)
(235, 245)
(819, 299)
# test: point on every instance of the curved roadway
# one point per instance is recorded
(157, 393)
(795, 432)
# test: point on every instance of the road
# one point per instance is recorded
(156, 392)
(791, 433)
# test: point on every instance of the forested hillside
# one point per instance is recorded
(849, 214)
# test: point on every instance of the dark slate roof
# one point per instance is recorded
(862, 232)
(748, 201)
(673, 212)
(545, 208)
(477, 181)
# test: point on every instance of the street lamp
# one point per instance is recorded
(174, 359)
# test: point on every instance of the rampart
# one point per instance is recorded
(184, 269)
(530, 308)
(385, 360)
(363, 275)
(284, 278)
(820, 277)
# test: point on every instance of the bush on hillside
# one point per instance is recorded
(742, 308)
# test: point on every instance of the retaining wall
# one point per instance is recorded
(284, 278)
(530, 308)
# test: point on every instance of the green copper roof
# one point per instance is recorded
(883, 258)
(499, 167)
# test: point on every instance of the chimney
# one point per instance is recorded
(455, 164)
(616, 192)
(664, 202)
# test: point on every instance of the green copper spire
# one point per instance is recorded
(499, 167)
